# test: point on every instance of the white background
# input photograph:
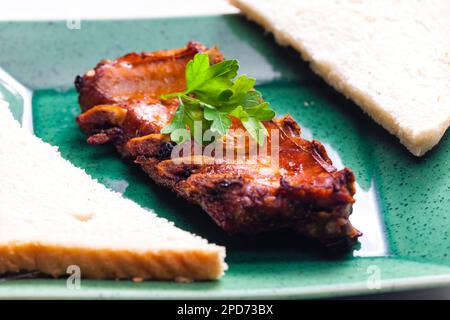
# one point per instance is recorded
(125, 9)
(104, 9)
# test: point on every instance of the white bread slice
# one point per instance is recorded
(392, 58)
(53, 215)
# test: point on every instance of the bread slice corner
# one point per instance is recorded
(53, 216)
(392, 58)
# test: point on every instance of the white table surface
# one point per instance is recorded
(91, 9)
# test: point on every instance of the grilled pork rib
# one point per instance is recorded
(304, 192)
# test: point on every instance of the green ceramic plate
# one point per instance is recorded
(403, 202)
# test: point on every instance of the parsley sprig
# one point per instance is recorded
(213, 94)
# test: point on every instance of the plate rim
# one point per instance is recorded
(310, 291)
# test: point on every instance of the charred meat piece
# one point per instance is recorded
(138, 77)
(303, 191)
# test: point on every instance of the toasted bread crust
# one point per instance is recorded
(53, 215)
(104, 263)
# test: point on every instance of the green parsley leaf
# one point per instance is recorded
(252, 118)
(262, 112)
(220, 121)
(239, 113)
(256, 129)
(212, 95)
(177, 124)
(206, 79)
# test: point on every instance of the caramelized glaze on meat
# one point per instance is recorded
(138, 77)
(303, 192)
